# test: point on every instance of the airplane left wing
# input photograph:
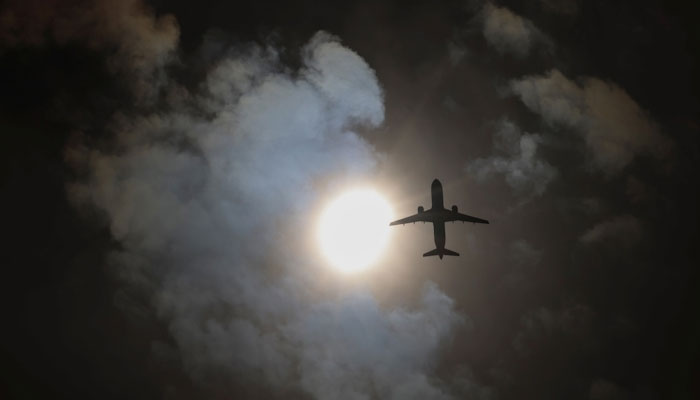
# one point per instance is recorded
(420, 217)
(453, 216)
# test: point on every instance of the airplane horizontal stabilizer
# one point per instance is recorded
(448, 252)
(431, 253)
(445, 252)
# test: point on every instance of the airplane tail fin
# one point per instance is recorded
(445, 252)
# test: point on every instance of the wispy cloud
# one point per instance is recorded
(524, 171)
(614, 127)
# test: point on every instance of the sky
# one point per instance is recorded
(165, 163)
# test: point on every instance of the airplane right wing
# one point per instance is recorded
(420, 217)
(464, 218)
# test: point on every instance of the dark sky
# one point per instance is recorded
(164, 164)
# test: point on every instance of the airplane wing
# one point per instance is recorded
(420, 217)
(453, 216)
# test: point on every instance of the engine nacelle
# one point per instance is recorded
(420, 209)
(454, 209)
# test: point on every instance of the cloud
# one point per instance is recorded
(640, 192)
(562, 7)
(456, 52)
(602, 389)
(209, 199)
(352, 349)
(467, 388)
(615, 128)
(623, 229)
(537, 327)
(508, 32)
(139, 42)
(522, 253)
(523, 258)
(524, 172)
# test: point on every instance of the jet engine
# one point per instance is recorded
(454, 209)
(420, 209)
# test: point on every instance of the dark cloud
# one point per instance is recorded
(640, 192)
(139, 42)
(523, 253)
(625, 229)
(523, 259)
(563, 7)
(602, 389)
(540, 326)
(193, 272)
(456, 52)
(510, 33)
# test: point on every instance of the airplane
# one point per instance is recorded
(438, 215)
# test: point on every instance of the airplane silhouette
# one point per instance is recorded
(438, 215)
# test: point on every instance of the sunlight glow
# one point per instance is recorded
(354, 229)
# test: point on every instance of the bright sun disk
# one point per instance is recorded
(354, 229)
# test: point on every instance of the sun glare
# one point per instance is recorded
(354, 229)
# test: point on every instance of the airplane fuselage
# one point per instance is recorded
(438, 223)
(438, 215)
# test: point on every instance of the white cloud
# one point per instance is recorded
(614, 127)
(353, 349)
(524, 171)
(209, 213)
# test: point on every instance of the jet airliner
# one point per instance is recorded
(438, 215)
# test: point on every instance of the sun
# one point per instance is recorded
(354, 229)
